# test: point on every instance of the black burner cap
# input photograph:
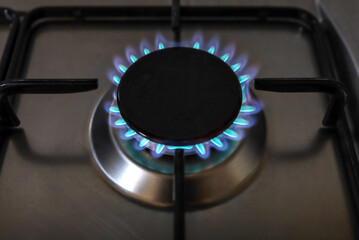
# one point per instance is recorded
(179, 96)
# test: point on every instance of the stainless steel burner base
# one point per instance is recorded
(220, 177)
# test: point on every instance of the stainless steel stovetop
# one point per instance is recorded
(50, 188)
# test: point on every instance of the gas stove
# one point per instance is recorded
(182, 123)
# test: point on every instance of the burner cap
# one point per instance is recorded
(179, 96)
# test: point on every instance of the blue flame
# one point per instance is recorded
(225, 57)
(133, 58)
(245, 119)
(201, 149)
(248, 109)
(236, 66)
(216, 141)
(130, 133)
(179, 147)
(213, 45)
(131, 55)
(159, 148)
(243, 78)
(143, 142)
(211, 49)
(241, 121)
(120, 122)
(231, 133)
(116, 79)
(123, 68)
(114, 109)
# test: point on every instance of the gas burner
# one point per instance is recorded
(182, 96)
(179, 96)
(209, 68)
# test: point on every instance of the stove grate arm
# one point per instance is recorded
(332, 87)
(8, 117)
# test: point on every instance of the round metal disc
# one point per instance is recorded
(179, 96)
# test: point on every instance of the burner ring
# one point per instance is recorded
(179, 96)
(209, 186)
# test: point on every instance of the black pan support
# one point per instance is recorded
(10, 85)
(37, 86)
(334, 88)
(179, 196)
(9, 18)
(174, 16)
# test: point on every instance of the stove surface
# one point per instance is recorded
(49, 187)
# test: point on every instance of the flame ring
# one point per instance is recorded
(236, 132)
